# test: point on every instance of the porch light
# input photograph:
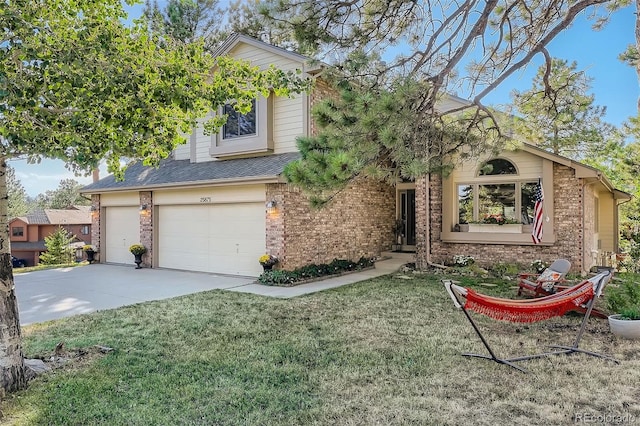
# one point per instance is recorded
(144, 209)
(93, 211)
(271, 206)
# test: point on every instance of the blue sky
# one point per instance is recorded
(615, 85)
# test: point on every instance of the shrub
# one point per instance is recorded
(463, 260)
(624, 299)
(286, 278)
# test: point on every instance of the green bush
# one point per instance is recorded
(625, 298)
(311, 271)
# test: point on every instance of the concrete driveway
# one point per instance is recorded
(58, 293)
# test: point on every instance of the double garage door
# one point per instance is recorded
(222, 238)
(218, 238)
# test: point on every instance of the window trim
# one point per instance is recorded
(476, 196)
(450, 202)
(261, 142)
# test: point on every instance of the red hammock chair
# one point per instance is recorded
(531, 310)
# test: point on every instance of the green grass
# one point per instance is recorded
(384, 351)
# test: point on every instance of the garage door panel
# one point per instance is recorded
(122, 226)
(225, 238)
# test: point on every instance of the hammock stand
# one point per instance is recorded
(532, 310)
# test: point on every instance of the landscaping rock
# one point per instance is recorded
(34, 367)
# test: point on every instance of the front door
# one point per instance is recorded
(408, 216)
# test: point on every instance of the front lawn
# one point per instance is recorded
(384, 351)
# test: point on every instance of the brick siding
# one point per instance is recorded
(95, 225)
(568, 214)
(357, 222)
(146, 228)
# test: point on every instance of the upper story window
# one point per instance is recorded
(238, 124)
(242, 134)
(17, 231)
(84, 229)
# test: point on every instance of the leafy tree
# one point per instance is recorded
(66, 195)
(59, 249)
(77, 83)
(563, 119)
(18, 201)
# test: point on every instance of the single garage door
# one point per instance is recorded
(123, 229)
(220, 238)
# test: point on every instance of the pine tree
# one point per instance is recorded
(59, 249)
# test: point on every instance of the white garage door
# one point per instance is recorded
(223, 238)
(123, 229)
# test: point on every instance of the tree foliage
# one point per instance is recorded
(66, 195)
(59, 249)
(557, 113)
(77, 83)
(187, 20)
(457, 46)
(17, 196)
(382, 133)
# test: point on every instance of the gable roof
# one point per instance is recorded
(582, 170)
(176, 173)
(78, 215)
(309, 65)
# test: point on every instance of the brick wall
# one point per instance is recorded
(146, 227)
(95, 225)
(321, 90)
(357, 222)
(568, 215)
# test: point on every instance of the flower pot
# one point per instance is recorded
(138, 260)
(628, 329)
(267, 267)
(91, 256)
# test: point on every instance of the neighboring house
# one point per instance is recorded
(220, 201)
(27, 233)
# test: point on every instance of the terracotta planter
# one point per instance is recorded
(628, 329)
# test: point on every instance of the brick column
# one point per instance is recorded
(146, 227)
(275, 222)
(95, 225)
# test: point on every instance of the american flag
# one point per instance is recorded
(536, 231)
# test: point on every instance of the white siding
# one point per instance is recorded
(288, 122)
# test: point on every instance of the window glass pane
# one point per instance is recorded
(237, 124)
(494, 200)
(528, 193)
(465, 203)
(498, 166)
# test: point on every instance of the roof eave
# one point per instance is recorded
(190, 184)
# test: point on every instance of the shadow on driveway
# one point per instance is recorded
(57, 293)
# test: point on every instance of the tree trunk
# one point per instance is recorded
(12, 375)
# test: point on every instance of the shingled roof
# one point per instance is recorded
(78, 215)
(183, 172)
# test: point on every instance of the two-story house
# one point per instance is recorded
(27, 233)
(220, 201)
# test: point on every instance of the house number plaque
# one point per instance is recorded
(205, 199)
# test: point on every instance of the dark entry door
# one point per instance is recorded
(408, 210)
